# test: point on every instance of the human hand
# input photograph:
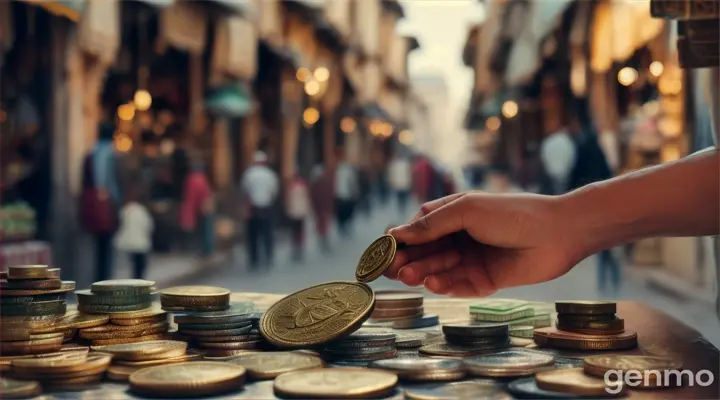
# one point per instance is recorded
(473, 244)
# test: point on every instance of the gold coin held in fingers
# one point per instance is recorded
(376, 259)
(318, 314)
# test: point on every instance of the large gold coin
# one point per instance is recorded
(201, 378)
(28, 272)
(376, 259)
(335, 383)
(268, 365)
(142, 351)
(318, 314)
(574, 380)
(656, 366)
(14, 389)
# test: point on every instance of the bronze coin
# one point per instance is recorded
(191, 379)
(585, 307)
(376, 259)
(136, 321)
(396, 313)
(398, 299)
(31, 284)
(617, 324)
(586, 318)
(551, 337)
(141, 330)
(65, 286)
(53, 273)
(27, 272)
(128, 340)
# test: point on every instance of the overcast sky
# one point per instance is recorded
(441, 27)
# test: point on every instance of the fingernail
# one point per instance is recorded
(407, 275)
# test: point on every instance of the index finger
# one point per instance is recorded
(446, 219)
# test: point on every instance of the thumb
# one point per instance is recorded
(441, 222)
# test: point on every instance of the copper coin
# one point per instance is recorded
(396, 313)
(617, 324)
(136, 321)
(398, 299)
(27, 272)
(552, 337)
(129, 340)
(574, 380)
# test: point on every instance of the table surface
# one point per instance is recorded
(658, 335)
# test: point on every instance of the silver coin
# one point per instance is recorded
(507, 363)
(369, 335)
(410, 340)
(418, 365)
(359, 350)
(476, 389)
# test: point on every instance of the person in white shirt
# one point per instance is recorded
(400, 176)
(134, 235)
(558, 153)
(260, 187)
(298, 209)
(347, 190)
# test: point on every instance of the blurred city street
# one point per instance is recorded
(287, 276)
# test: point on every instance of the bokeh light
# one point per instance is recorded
(142, 100)
(627, 76)
(509, 109)
(311, 115)
(322, 74)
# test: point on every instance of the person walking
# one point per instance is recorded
(400, 177)
(134, 235)
(592, 166)
(558, 155)
(298, 209)
(321, 192)
(347, 191)
(260, 186)
(100, 199)
(197, 209)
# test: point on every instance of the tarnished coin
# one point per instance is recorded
(339, 352)
(142, 351)
(422, 369)
(65, 286)
(123, 287)
(478, 341)
(333, 383)
(317, 315)
(234, 338)
(237, 312)
(88, 297)
(507, 363)
(527, 388)
(16, 389)
(574, 380)
(376, 259)
(105, 309)
(586, 317)
(479, 330)
(476, 389)
(398, 299)
(362, 339)
(365, 356)
(616, 325)
(585, 307)
(31, 284)
(201, 378)
(269, 365)
(53, 273)
(451, 350)
(423, 321)
(34, 309)
(599, 365)
(27, 272)
(409, 340)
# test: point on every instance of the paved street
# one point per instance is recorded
(287, 276)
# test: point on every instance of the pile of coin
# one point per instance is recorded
(113, 296)
(592, 318)
(32, 301)
(362, 346)
(130, 357)
(513, 312)
(222, 333)
(62, 373)
(486, 337)
(195, 299)
(592, 315)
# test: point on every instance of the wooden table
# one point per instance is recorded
(658, 333)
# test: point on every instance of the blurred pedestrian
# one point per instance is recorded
(260, 186)
(134, 235)
(347, 193)
(100, 199)
(198, 207)
(592, 166)
(321, 191)
(179, 162)
(558, 154)
(298, 209)
(400, 177)
(422, 177)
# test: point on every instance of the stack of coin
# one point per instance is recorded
(589, 317)
(392, 305)
(67, 373)
(130, 357)
(478, 337)
(32, 301)
(121, 295)
(551, 337)
(222, 333)
(512, 312)
(362, 346)
(422, 369)
(195, 299)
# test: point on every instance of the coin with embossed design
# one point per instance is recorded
(376, 259)
(317, 315)
(201, 378)
(334, 383)
(268, 365)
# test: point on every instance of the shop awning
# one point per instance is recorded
(71, 9)
(230, 101)
(525, 57)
